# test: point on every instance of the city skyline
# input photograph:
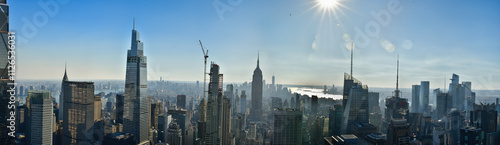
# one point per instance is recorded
(433, 44)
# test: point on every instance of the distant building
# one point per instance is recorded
(181, 101)
(243, 102)
(424, 97)
(97, 108)
(156, 110)
(314, 104)
(441, 104)
(120, 102)
(287, 126)
(256, 110)
(373, 102)
(398, 132)
(276, 102)
(335, 120)
(415, 99)
(42, 120)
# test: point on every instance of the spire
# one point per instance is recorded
(65, 78)
(397, 79)
(134, 23)
(258, 55)
(352, 48)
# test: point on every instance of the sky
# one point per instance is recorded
(299, 41)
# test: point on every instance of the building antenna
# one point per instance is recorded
(352, 48)
(134, 23)
(397, 80)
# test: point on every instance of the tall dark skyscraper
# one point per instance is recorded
(397, 107)
(415, 99)
(120, 101)
(181, 101)
(214, 107)
(256, 110)
(136, 110)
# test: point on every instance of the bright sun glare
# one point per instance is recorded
(329, 4)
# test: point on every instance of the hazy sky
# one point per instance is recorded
(298, 41)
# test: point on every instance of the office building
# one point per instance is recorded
(136, 107)
(78, 119)
(373, 102)
(214, 107)
(181, 101)
(120, 102)
(156, 110)
(243, 102)
(398, 132)
(357, 109)
(415, 99)
(287, 126)
(424, 98)
(174, 134)
(42, 119)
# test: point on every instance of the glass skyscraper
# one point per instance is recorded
(136, 108)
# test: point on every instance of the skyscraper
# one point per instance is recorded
(397, 107)
(356, 109)
(226, 122)
(441, 104)
(243, 102)
(287, 126)
(41, 117)
(373, 102)
(135, 114)
(61, 96)
(335, 120)
(174, 134)
(398, 132)
(120, 102)
(214, 107)
(314, 104)
(181, 101)
(424, 98)
(78, 120)
(97, 108)
(183, 118)
(256, 110)
(156, 110)
(415, 99)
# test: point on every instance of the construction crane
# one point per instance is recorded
(205, 55)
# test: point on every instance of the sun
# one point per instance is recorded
(328, 4)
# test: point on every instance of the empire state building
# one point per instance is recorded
(256, 110)
(136, 111)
